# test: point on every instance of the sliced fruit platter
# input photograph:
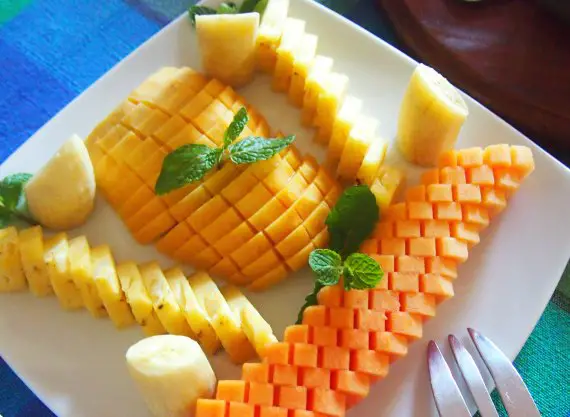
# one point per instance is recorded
(242, 196)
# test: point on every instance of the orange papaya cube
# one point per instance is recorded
(315, 316)
(470, 157)
(231, 391)
(156, 228)
(223, 225)
(341, 318)
(355, 298)
(452, 175)
(268, 214)
(252, 250)
(467, 193)
(253, 201)
(323, 336)
(189, 204)
(272, 412)
(392, 344)
(422, 246)
(174, 239)
(448, 211)
(325, 401)
(370, 362)
(305, 355)
(277, 180)
(333, 195)
(413, 264)
(383, 300)
(475, 214)
(369, 246)
(351, 383)
(224, 268)
(206, 259)
(315, 223)
(334, 357)
(417, 193)
(353, 339)
(370, 320)
(431, 177)
(436, 285)
(497, 155)
(420, 210)
(278, 353)
(142, 196)
(392, 246)
(435, 228)
(210, 408)
(466, 232)
(315, 378)
(404, 323)
(294, 242)
(522, 160)
(235, 239)
(404, 281)
(208, 213)
(494, 200)
(330, 296)
(283, 225)
(239, 187)
(220, 178)
(149, 211)
(188, 135)
(439, 193)
(262, 265)
(482, 175)
(298, 333)
(384, 229)
(241, 410)
(449, 247)
(273, 277)
(308, 202)
(507, 179)
(299, 260)
(386, 262)
(293, 191)
(255, 372)
(284, 375)
(407, 228)
(260, 394)
(447, 158)
(420, 303)
(324, 180)
(441, 266)
(396, 212)
(190, 249)
(292, 397)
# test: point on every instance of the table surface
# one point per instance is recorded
(52, 50)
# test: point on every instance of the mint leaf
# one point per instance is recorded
(184, 165)
(253, 149)
(327, 265)
(227, 8)
(12, 190)
(261, 6)
(237, 126)
(248, 6)
(363, 271)
(352, 219)
(194, 11)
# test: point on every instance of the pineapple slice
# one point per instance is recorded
(165, 305)
(270, 32)
(132, 285)
(343, 124)
(292, 36)
(56, 258)
(194, 313)
(304, 55)
(32, 255)
(328, 105)
(223, 320)
(372, 161)
(12, 276)
(109, 287)
(321, 66)
(356, 147)
(387, 184)
(257, 330)
(81, 270)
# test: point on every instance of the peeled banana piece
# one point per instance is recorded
(62, 194)
(172, 373)
(431, 116)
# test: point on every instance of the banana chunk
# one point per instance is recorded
(172, 373)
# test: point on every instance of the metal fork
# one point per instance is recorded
(448, 398)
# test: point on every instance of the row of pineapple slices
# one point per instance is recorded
(159, 301)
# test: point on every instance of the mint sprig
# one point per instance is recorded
(190, 163)
(13, 205)
(349, 223)
(228, 7)
(194, 11)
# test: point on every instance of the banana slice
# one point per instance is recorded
(431, 116)
(61, 195)
(172, 373)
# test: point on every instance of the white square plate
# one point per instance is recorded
(75, 363)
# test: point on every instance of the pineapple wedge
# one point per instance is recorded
(304, 55)
(109, 287)
(195, 315)
(356, 147)
(372, 161)
(292, 37)
(343, 124)
(257, 330)
(227, 44)
(270, 32)
(138, 299)
(32, 255)
(12, 276)
(165, 305)
(223, 320)
(81, 270)
(328, 104)
(387, 184)
(321, 66)
(56, 258)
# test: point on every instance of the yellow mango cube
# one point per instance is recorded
(273, 277)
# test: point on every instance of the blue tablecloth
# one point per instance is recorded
(51, 50)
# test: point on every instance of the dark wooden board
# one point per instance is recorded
(513, 56)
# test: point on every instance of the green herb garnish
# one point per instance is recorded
(13, 205)
(194, 11)
(190, 163)
(228, 7)
(349, 223)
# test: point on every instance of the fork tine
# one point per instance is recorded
(473, 378)
(513, 391)
(446, 394)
